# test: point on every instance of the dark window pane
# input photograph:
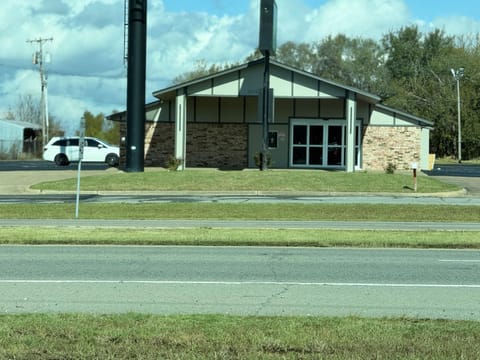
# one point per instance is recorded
(272, 139)
(335, 156)
(316, 135)
(62, 142)
(92, 143)
(299, 156)
(300, 135)
(335, 135)
(316, 156)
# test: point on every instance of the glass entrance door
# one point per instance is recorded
(307, 145)
(320, 143)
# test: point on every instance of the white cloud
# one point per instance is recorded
(456, 25)
(363, 18)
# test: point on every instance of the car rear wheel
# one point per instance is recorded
(61, 160)
(112, 159)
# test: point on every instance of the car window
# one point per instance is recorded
(92, 143)
(61, 142)
(72, 142)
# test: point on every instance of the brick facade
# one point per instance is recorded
(208, 145)
(217, 145)
(226, 145)
(397, 145)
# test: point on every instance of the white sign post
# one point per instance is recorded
(414, 168)
(81, 145)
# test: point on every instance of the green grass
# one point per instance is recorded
(249, 180)
(451, 160)
(240, 237)
(279, 211)
(249, 237)
(133, 336)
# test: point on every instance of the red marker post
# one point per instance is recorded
(414, 168)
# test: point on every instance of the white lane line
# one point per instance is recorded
(461, 261)
(239, 283)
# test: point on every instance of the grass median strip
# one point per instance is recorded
(239, 237)
(227, 211)
(248, 180)
(134, 336)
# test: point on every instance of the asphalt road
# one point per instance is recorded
(41, 165)
(240, 280)
(236, 199)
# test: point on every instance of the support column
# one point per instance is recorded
(351, 116)
(181, 129)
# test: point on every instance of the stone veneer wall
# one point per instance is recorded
(397, 145)
(208, 145)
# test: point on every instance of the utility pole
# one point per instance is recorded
(457, 75)
(39, 59)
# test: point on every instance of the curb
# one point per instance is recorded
(459, 193)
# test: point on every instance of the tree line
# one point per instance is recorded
(408, 69)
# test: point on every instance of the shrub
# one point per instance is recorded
(390, 168)
(173, 163)
(258, 157)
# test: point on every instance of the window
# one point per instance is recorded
(321, 143)
(72, 142)
(272, 139)
(92, 143)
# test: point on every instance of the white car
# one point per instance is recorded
(66, 149)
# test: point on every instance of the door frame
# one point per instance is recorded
(326, 123)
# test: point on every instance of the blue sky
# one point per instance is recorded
(422, 9)
(87, 70)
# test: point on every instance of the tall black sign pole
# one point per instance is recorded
(137, 50)
(267, 46)
(266, 110)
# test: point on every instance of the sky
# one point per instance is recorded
(87, 71)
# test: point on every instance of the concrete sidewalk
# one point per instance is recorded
(19, 182)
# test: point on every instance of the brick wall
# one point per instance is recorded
(225, 145)
(208, 145)
(397, 145)
(217, 145)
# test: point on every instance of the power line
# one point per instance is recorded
(119, 72)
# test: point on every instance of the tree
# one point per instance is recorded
(28, 110)
(202, 68)
(98, 126)
(422, 84)
(25, 110)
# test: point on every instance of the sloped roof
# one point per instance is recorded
(412, 118)
(369, 96)
(20, 124)
(373, 99)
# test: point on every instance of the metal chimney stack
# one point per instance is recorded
(137, 49)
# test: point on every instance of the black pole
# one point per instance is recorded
(266, 109)
(137, 49)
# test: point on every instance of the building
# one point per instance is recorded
(17, 137)
(215, 121)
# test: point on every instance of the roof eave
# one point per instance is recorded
(420, 121)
